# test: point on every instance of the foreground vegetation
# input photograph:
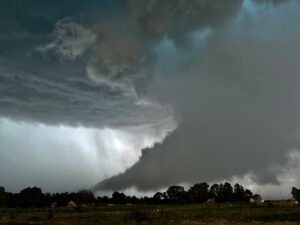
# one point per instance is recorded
(219, 204)
(198, 193)
(156, 214)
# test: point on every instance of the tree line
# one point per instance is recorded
(33, 197)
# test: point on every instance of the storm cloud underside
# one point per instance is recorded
(238, 98)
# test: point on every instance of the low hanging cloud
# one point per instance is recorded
(49, 77)
(121, 56)
(286, 175)
(238, 100)
(61, 158)
(93, 72)
(47, 96)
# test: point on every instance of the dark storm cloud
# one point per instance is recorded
(226, 69)
(40, 16)
(67, 64)
(238, 98)
(53, 99)
(124, 51)
(52, 86)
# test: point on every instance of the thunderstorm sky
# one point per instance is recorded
(138, 95)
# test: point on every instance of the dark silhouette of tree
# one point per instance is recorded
(175, 193)
(132, 199)
(84, 197)
(47, 200)
(102, 200)
(118, 198)
(31, 197)
(214, 191)
(3, 197)
(158, 197)
(248, 195)
(62, 199)
(225, 193)
(200, 192)
(239, 193)
(257, 199)
(296, 194)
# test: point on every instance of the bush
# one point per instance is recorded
(139, 216)
(50, 214)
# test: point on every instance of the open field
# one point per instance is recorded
(155, 214)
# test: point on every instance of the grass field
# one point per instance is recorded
(152, 214)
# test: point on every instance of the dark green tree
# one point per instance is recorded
(118, 198)
(31, 197)
(84, 197)
(239, 193)
(225, 193)
(3, 197)
(248, 195)
(214, 191)
(158, 197)
(175, 193)
(200, 192)
(296, 194)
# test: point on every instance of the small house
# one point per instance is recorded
(71, 204)
(256, 199)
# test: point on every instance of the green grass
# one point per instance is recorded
(155, 214)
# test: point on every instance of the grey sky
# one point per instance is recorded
(85, 87)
